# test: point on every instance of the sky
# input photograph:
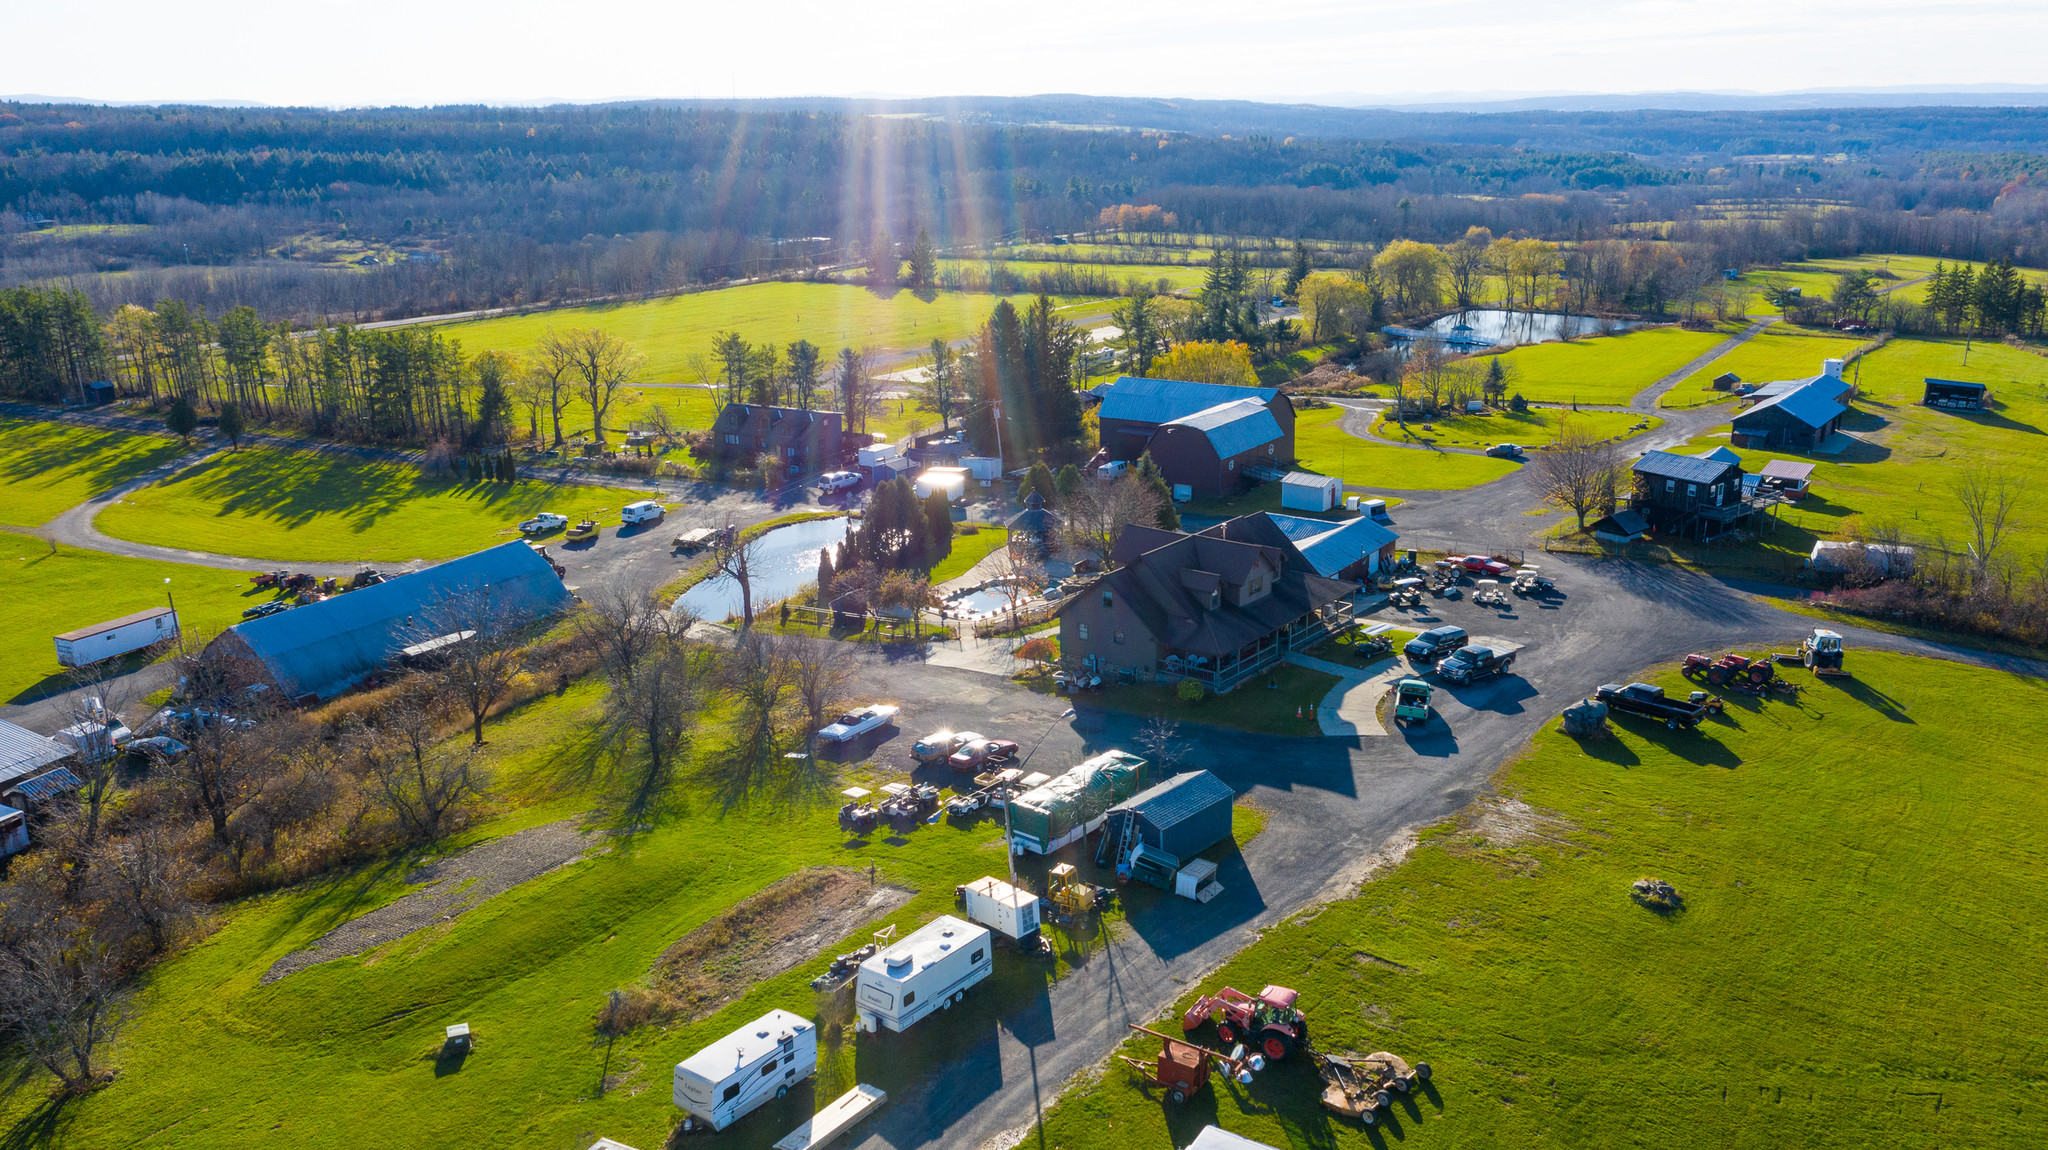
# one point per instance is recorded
(378, 52)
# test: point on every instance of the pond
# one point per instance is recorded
(981, 601)
(787, 559)
(1485, 327)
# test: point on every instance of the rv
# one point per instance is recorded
(726, 1080)
(930, 970)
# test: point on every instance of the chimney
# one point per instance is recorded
(1831, 368)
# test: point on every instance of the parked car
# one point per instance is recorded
(972, 756)
(1481, 565)
(1651, 702)
(1469, 664)
(838, 480)
(939, 744)
(262, 609)
(853, 724)
(1435, 643)
(1505, 451)
(545, 521)
(155, 747)
(641, 511)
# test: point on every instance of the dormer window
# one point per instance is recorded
(1108, 599)
(1257, 584)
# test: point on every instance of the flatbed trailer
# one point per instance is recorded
(835, 1119)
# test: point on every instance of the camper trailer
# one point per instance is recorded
(930, 970)
(726, 1080)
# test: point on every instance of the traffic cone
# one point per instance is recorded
(1297, 712)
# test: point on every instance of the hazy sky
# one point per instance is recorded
(447, 51)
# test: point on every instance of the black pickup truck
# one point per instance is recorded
(1643, 699)
(1473, 663)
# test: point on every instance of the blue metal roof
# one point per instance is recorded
(47, 785)
(1721, 455)
(326, 647)
(1809, 403)
(1165, 400)
(1234, 428)
(1331, 547)
(1684, 468)
(23, 752)
(1179, 798)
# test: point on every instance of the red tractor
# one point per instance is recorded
(1738, 670)
(1268, 1023)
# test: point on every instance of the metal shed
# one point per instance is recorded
(1955, 393)
(1305, 491)
(1183, 816)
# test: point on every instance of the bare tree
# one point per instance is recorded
(62, 999)
(1098, 511)
(821, 668)
(1990, 501)
(602, 364)
(760, 675)
(93, 705)
(1580, 471)
(733, 560)
(230, 756)
(623, 621)
(655, 701)
(419, 779)
(142, 881)
(553, 375)
(1159, 739)
(1018, 576)
(479, 664)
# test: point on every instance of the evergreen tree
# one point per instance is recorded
(1962, 291)
(938, 528)
(1150, 475)
(825, 575)
(924, 262)
(1298, 270)
(182, 420)
(1038, 479)
(232, 424)
(1496, 384)
(803, 374)
(1067, 481)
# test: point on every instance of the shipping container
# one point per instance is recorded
(1067, 808)
(89, 645)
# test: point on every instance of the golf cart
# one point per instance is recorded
(1411, 701)
(1529, 582)
(1487, 593)
(1406, 593)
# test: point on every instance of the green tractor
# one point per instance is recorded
(1411, 701)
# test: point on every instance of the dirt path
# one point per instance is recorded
(457, 884)
(1646, 399)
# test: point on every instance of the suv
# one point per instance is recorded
(838, 480)
(644, 511)
(1436, 643)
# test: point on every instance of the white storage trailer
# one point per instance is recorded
(1002, 908)
(984, 468)
(723, 1082)
(929, 970)
(89, 645)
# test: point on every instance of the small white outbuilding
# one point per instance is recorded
(1302, 491)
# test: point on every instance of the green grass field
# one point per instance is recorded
(670, 330)
(967, 551)
(51, 591)
(1178, 276)
(343, 1054)
(1858, 962)
(1777, 352)
(331, 508)
(1603, 370)
(48, 468)
(1321, 445)
(1535, 427)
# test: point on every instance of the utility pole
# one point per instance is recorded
(175, 621)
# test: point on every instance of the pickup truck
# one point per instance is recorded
(1643, 699)
(1471, 663)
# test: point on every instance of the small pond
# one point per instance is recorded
(788, 559)
(980, 601)
(1485, 327)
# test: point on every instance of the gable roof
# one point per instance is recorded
(776, 424)
(1331, 547)
(1627, 521)
(1233, 428)
(46, 786)
(1684, 468)
(1179, 798)
(323, 648)
(1721, 455)
(1786, 469)
(1140, 400)
(23, 752)
(1309, 479)
(1809, 403)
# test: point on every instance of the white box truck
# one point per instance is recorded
(726, 1080)
(1002, 908)
(88, 645)
(930, 970)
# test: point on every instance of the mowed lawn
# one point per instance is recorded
(1777, 352)
(671, 330)
(967, 551)
(322, 507)
(52, 590)
(1603, 369)
(1860, 959)
(1535, 427)
(1321, 445)
(343, 1054)
(1902, 477)
(48, 468)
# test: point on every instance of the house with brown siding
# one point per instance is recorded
(799, 441)
(1213, 451)
(1135, 408)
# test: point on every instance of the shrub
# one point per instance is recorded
(1190, 691)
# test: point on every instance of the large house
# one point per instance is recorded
(321, 649)
(1353, 549)
(1135, 409)
(1217, 607)
(1697, 496)
(798, 441)
(1796, 414)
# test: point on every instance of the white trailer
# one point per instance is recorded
(723, 1082)
(930, 970)
(986, 468)
(89, 645)
(1002, 908)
